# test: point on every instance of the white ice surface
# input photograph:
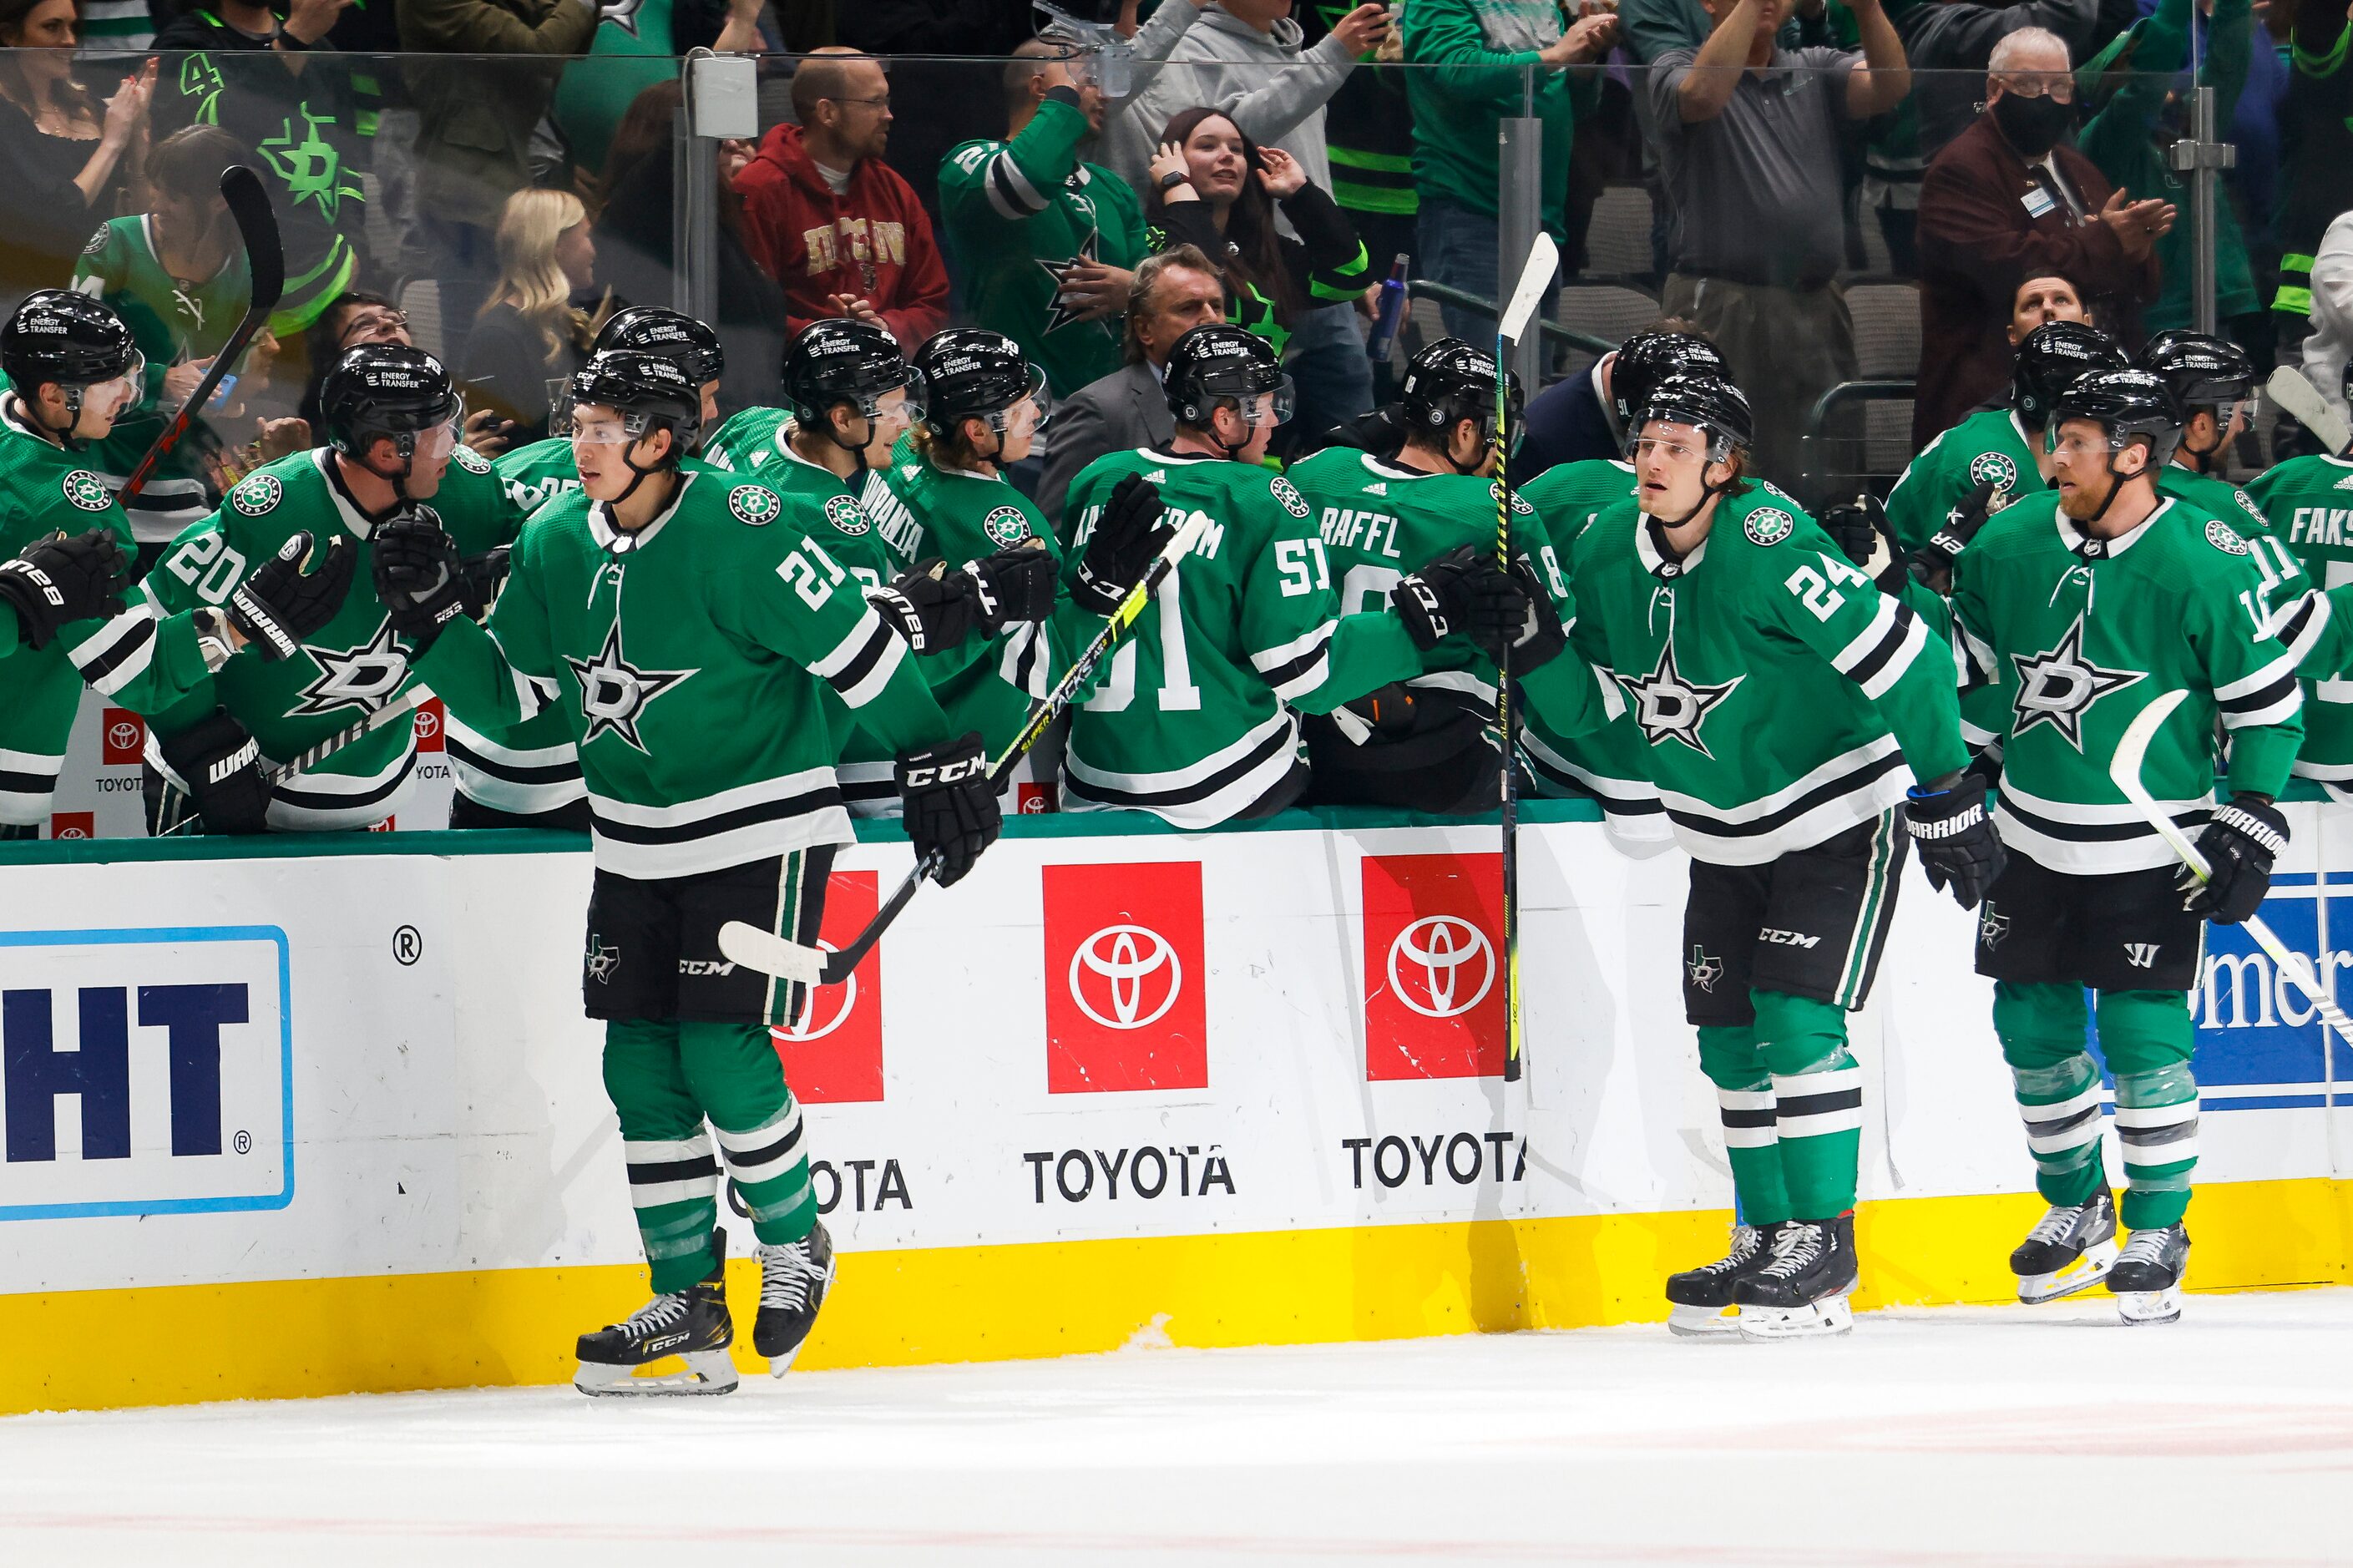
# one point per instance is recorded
(2013, 1436)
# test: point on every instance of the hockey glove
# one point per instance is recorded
(1958, 847)
(1381, 432)
(1462, 591)
(1935, 558)
(485, 574)
(282, 604)
(1385, 715)
(417, 576)
(2239, 844)
(933, 609)
(1127, 536)
(221, 765)
(56, 581)
(1016, 584)
(1860, 530)
(1543, 636)
(951, 806)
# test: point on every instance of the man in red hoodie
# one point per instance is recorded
(826, 218)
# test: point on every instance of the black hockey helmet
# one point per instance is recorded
(2127, 404)
(2201, 370)
(972, 373)
(838, 361)
(648, 391)
(1649, 357)
(673, 335)
(1217, 361)
(67, 338)
(1451, 380)
(386, 391)
(1709, 403)
(2053, 355)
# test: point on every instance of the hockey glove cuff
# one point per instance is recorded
(1960, 525)
(933, 609)
(484, 575)
(2239, 844)
(220, 764)
(56, 581)
(951, 806)
(1543, 638)
(417, 577)
(280, 603)
(1464, 591)
(1016, 584)
(1958, 847)
(1126, 537)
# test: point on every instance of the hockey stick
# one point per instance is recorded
(1535, 277)
(771, 954)
(2295, 395)
(2126, 771)
(256, 226)
(310, 756)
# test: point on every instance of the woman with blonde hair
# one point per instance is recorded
(534, 331)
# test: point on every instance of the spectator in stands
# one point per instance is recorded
(1044, 244)
(2006, 201)
(351, 319)
(829, 220)
(67, 160)
(1469, 65)
(2043, 300)
(2317, 181)
(636, 45)
(533, 331)
(1173, 292)
(475, 121)
(1243, 60)
(1368, 137)
(1750, 136)
(937, 103)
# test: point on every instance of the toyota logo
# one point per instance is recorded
(1129, 958)
(123, 735)
(805, 1026)
(1439, 947)
(428, 723)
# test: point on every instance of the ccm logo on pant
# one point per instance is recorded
(1772, 937)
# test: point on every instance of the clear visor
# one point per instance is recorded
(436, 442)
(600, 428)
(1029, 413)
(1269, 408)
(119, 393)
(901, 406)
(1675, 443)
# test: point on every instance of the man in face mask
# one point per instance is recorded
(2009, 199)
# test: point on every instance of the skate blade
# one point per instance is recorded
(780, 1364)
(706, 1372)
(2140, 1308)
(1817, 1320)
(1702, 1322)
(2087, 1270)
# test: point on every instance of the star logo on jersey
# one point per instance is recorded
(259, 495)
(308, 167)
(614, 692)
(1059, 314)
(754, 506)
(1005, 527)
(86, 490)
(363, 677)
(466, 457)
(622, 13)
(1768, 525)
(1995, 466)
(844, 514)
(1289, 498)
(2058, 687)
(2225, 538)
(1670, 708)
(1704, 968)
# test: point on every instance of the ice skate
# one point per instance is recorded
(1702, 1297)
(2146, 1277)
(2071, 1249)
(1801, 1290)
(794, 1280)
(691, 1324)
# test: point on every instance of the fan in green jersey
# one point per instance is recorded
(1194, 719)
(2083, 606)
(1785, 705)
(1422, 744)
(697, 634)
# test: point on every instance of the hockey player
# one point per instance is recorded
(391, 419)
(1193, 722)
(2308, 504)
(67, 615)
(1422, 744)
(1996, 455)
(656, 608)
(2084, 603)
(1788, 706)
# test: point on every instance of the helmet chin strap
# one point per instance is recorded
(2116, 479)
(2199, 455)
(1707, 493)
(857, 451)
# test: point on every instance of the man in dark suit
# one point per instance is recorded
(2005, 202)
(1173, 292)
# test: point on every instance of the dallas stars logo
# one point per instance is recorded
(1670, 708)
(603, 959)
(614, 692)
(622, 13)
(2058, 687)
(363, 677)
(1706, 969)
(1057, 315)
(86, 490)
(1993, 928)
(309, 168)
(1006, 526)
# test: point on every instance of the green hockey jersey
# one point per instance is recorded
(143, 658)
(535, 474)
(2183, 610)
(1989, 444)
(172, 321)
(1189, 718)
(696, 661)
(1018, 214)
(2308, 503)
(1782, 699)
(350, 668)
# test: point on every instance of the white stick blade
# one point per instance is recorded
(1535, 277)
(771, 954)
(2289, 389)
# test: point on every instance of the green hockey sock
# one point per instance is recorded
(2041, 1029)
(2148, 1037)
(1816, 1099)
(739, 1086)
(673, 1176)
(1744, 1097)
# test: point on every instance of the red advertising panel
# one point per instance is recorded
(1124, 979)
(121, 737)
(1433, 966)
(833, 1051)
(431, 726)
